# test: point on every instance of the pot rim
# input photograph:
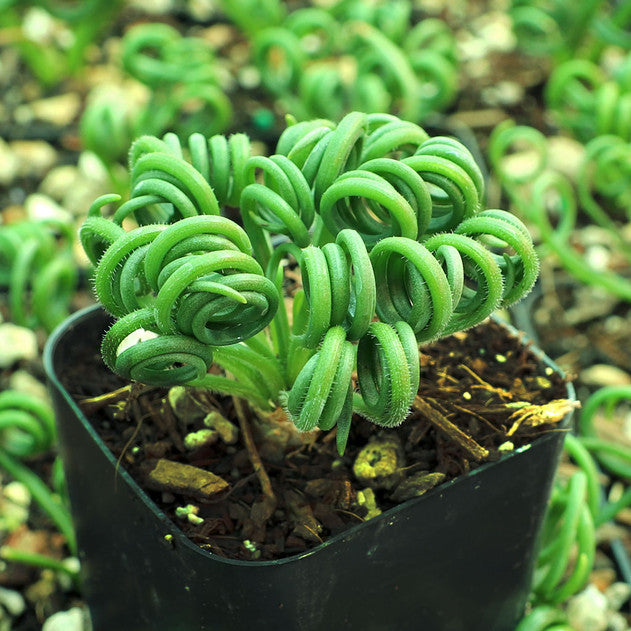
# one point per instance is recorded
(389, 515)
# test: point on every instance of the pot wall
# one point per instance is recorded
(460, 558)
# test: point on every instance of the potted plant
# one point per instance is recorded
(348, 248)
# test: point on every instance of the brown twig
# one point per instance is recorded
(255, 459)
(93, 404)
(504, 394)
(132, 438)
(442, 423)
(168, 421)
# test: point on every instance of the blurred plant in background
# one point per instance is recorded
(372, 56)
(588, 101)
(184, 93)
(38, 272)
(52, 36)
(596, 193)
(563, 30)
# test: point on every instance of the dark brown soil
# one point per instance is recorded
(473, 379)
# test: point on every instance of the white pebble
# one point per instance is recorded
(74, 619)
(598, 257)
(617, 594)
(617, 622)
(12, 601)
(605, 375)
(495, 28)
(90, 166)
(38, 25)
(9, 163)
(587, 611)
(16, 343)
(41, 207)
(58, 180)
(35, 157)
(59, 110)
(23, 381)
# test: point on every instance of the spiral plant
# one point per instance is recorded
(554, 202)
(51, 61)
(185, 86)
(384, 224)
(27, 430)
(563, 30)
(324, 62)
(37, 272)
(587, 102)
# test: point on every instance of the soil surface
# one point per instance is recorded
(482, 393)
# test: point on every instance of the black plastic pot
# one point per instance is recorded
(459, 558)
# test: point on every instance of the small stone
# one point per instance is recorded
(617, 594)
(14, 506)
(23, 381)
(184, 479)
(155, 7)
(367, 499)
(598, 257)
(38, 25)
(249, 77)
(12, 601)
(599, 375)
(276, 434)
(90, 166)
(417, 484)
(495, 28)
(58, 180)
(184, 404)
(587, 611)
(503, 93)
(9, 163)
(565, 155)
(616, 622)
(590, 303)
(200, 438)
(300, 515)
(74, 619)
(471, 47)
(524, 162)
(379, 463)
(190, 513)
(60, 110)
(218, 35)
(41, 207)
(228, 432)
(202, 10)
(17, 493)
(16, 343)
(35, 157)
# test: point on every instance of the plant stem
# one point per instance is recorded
(93, 404)
(255, 459)
(43, 495)
(14, 555)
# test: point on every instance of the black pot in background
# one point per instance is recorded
(459, 558)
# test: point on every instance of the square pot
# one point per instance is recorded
(459, 558)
